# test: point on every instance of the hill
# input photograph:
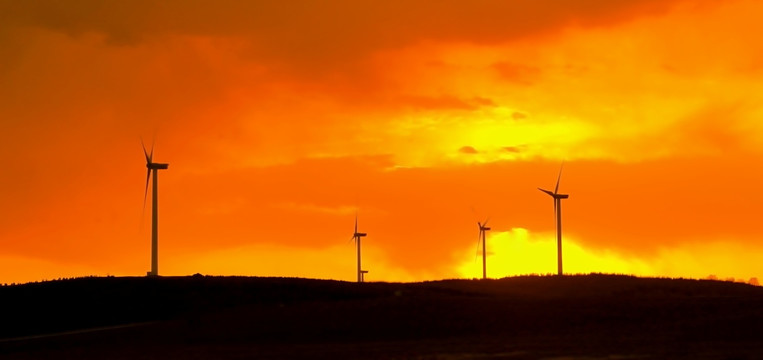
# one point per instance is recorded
(591, 316)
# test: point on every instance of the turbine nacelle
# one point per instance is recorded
(483, 226)
(157, 166)
(357, 235)
(555, 195)
(150, 164)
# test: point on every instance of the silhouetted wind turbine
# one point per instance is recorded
(483, 229)
(356, 236)
(153, 167)
(558, 212)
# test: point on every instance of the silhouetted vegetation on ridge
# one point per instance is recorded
(89, 302)
(251, 310)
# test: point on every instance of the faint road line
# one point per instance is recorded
(75, 332)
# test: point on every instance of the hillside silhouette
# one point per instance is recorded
(243, 317)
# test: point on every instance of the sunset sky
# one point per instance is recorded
(280, 119)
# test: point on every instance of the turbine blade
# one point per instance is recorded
(356, 222)
(546, 191)
(556, 189)
(148, 159)
(145, 194)
(486, 221)
(151, 156)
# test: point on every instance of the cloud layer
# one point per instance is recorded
(279, 119)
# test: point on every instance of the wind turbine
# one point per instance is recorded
(356, 236)
(151, 166)
(558, 212)
(483, 230)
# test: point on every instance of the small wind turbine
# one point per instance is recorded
(558, 212)
(153, 167)
(483, 229)
(356, 236)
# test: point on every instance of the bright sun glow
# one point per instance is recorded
(517, 252)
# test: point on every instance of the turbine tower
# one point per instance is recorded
(151, 166)
(356, 236)
(483, 230)
(558, 212)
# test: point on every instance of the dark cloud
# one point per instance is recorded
(483, 101)
(312, 33)
(512, 149)
(468, 150)
(716, 126)
(444, 102)
(517, 73)
(518, 116)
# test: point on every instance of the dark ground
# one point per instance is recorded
(570, 317)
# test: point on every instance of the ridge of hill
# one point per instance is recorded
(594, 311)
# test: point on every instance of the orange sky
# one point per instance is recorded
(279, 119)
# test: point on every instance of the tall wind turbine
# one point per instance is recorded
(356, 236)
(558, 212)
(153, 167)
(483, 230)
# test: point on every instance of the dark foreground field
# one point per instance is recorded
(570, 317)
